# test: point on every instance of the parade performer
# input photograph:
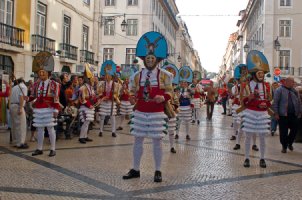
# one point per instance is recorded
(126, 108)
(242, 73)
(255, 118)
(46, 106)
(197, 91)
(174, 101)
(185, 106)
(88, 101)
(151, 90)
(108, 91)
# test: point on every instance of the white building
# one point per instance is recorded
(265, 24)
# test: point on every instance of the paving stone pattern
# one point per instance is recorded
(206, 167)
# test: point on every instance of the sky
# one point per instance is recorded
(210, 23)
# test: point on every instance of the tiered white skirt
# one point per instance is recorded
(255, 121)
(43, 117)
(185, 113)
(126, 108)
(86, 114)
(105, 108)
(196, 102)
(147, 124)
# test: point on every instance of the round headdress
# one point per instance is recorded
(108, 67)
(185, 74)
(197, 75)
(237, 71)
(43, 61)
(173, 70)
(152, 43)
(128, 70)
(256, 61)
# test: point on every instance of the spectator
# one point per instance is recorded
(287, 107)
(64, 80)
(210, 100)
(17, 113)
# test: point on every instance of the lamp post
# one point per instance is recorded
(106, 19)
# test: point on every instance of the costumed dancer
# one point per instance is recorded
(256, 119)
(151, 90)
(46, 105)
(244, 91)
(108, 91)
(185, 106)
(126, 108)
(174, 102)
(87, 100)
(196, 90)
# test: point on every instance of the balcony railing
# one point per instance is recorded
(86, 56)
(68, 51)
(41, 43)
(11, 35)
(300, 71)
(287, 71)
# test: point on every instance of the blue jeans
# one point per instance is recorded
(274, 124)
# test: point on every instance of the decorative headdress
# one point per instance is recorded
(237, 71)
(185, 74)
(43, 61)
(152, 43)
(256, 61)
(173, 70)
(108, 67)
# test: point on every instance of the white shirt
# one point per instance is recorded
(45, 87)
(17, 92)
(260, 88)
(153, 77)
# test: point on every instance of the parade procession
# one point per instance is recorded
(93, 110)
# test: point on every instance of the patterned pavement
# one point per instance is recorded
(206, 167)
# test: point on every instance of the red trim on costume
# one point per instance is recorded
(6, 93)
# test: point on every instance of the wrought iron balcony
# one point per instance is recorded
(68, 51)
(285, 71)
(86, 56)
(11, 35)
(41, 43)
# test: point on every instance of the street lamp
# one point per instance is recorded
(277, 44)
(178, 58)
(106, 19)
(124, 24)
(246, 48)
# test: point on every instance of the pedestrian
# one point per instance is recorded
(287, 107)
(274, 122)
(210, 100)
(197, 90)
(150, 89)
(17, 112)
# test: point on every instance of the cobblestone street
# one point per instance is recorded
(206, 167)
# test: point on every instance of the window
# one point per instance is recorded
(109, 2)
(6, 11)
(132, 27)
(285, 2)
(108, 54)
(6, 64)
(285, 28)
(66, 29)
(41, 19)
(284, 58)
(109, 26)
(85, 37)
(130, 55)
(87, 2)
(132, 2)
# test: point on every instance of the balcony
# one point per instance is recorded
(11, 35)
(41, 43)
(87, 56)
(68, 51)
(287, 71)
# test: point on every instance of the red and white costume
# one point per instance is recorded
(125, 108)
(46, 95)
(149, 119)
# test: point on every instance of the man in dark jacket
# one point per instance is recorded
(287, 107)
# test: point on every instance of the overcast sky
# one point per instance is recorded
(212, 27)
